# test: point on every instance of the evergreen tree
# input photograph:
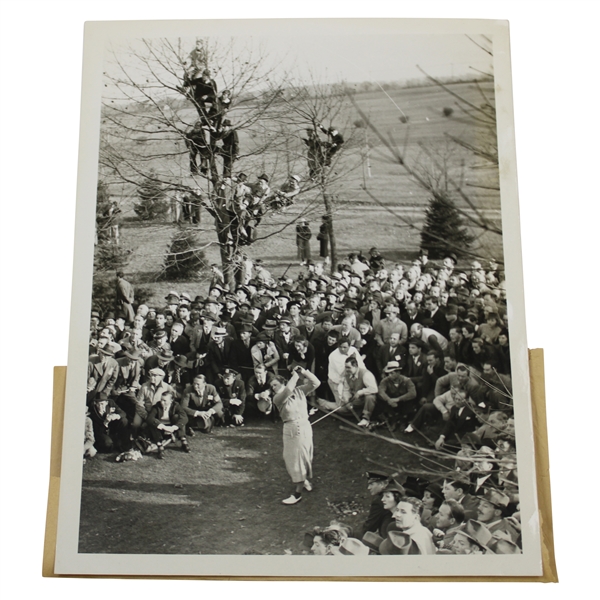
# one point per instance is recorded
(444, 230)
(152, 199)
(183, 259)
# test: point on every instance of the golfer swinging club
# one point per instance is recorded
(297, 431)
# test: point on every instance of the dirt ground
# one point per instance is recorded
(225, 496)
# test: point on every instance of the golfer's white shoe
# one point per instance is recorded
(409, 429)
(292, 500)
(363, 423)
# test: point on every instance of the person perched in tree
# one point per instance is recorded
(332, 145)
(198, 141)
(315, 155)
(204, 91)
(284, 196)
(196, 61)
(230, 148)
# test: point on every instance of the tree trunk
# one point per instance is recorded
(327, 199)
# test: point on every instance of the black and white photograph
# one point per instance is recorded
(298, 322)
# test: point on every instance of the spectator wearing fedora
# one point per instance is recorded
(241, 350)
(110, 425)
(265, 352)
(472, 538)
(491, 511)
(202, 405)
(128, 380)
(167, 420)
(103, 370)
(218, 354)
(259, 397)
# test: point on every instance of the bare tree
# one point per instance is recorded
(458, 174)
(151, 111)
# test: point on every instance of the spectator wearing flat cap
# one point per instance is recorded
(232, 392)
(397, 393)
(391, 324)
(148, 395)
(376, 484)
(202, 405)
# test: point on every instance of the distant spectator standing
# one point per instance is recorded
(303, 235)
(323, 238)
(125, 297)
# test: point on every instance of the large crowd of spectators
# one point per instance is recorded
(418, 350)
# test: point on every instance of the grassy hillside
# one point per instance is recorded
(392, 222)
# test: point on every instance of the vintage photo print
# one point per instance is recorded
(298, 338)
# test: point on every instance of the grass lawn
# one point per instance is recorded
(225, 496)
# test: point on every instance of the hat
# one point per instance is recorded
(285, 320)
(416, 342)
(452, 257)
(477, 532)
(231, 298)
(246, 327)
(181, 361)
(435, 489)
(396, 543)
(132, 353)
(372, 540)
(185, 297)
(156, 371)
(264, 177)
(392, 366)
(264, 404)
(226, 122)
(96, 314)
(503, 546)
(228, 371)
(165, 355)
(353, 547)
(101, 397)
(377, 476)
(159, 334)
(207, 314)
(496, 498)
(394, 486)
(296, 177)
(172, 296)
(111, 349)
(270, 325)
(263, 337)
(219, 331)
(284, 294)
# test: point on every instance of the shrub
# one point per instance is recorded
(183, 259)
(152, 202)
